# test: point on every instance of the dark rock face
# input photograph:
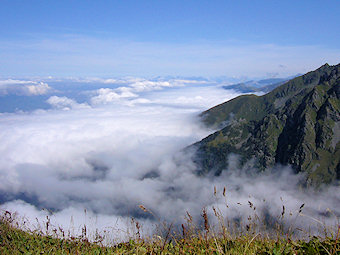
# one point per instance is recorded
(297, 123)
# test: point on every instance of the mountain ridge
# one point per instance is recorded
(297, 124)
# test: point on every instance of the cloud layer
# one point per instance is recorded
(123, 148)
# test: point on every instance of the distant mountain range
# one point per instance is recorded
(265, 85)
(297, 124)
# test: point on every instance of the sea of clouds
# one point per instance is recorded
(100, 148)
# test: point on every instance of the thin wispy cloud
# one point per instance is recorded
(86, 56)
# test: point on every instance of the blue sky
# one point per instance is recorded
(148, 38)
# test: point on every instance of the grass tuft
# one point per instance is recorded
(191, 240)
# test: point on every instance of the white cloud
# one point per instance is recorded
(106, 95)
(64, 103)
(97, 80)
(39, 89)
(23, 87)
(133, 88)
(145, 85)
(200, 98)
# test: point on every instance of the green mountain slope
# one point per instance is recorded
(297, 123)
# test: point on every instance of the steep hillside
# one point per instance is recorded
(297, 123)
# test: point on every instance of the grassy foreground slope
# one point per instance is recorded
(15, 241)
(297, 123)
